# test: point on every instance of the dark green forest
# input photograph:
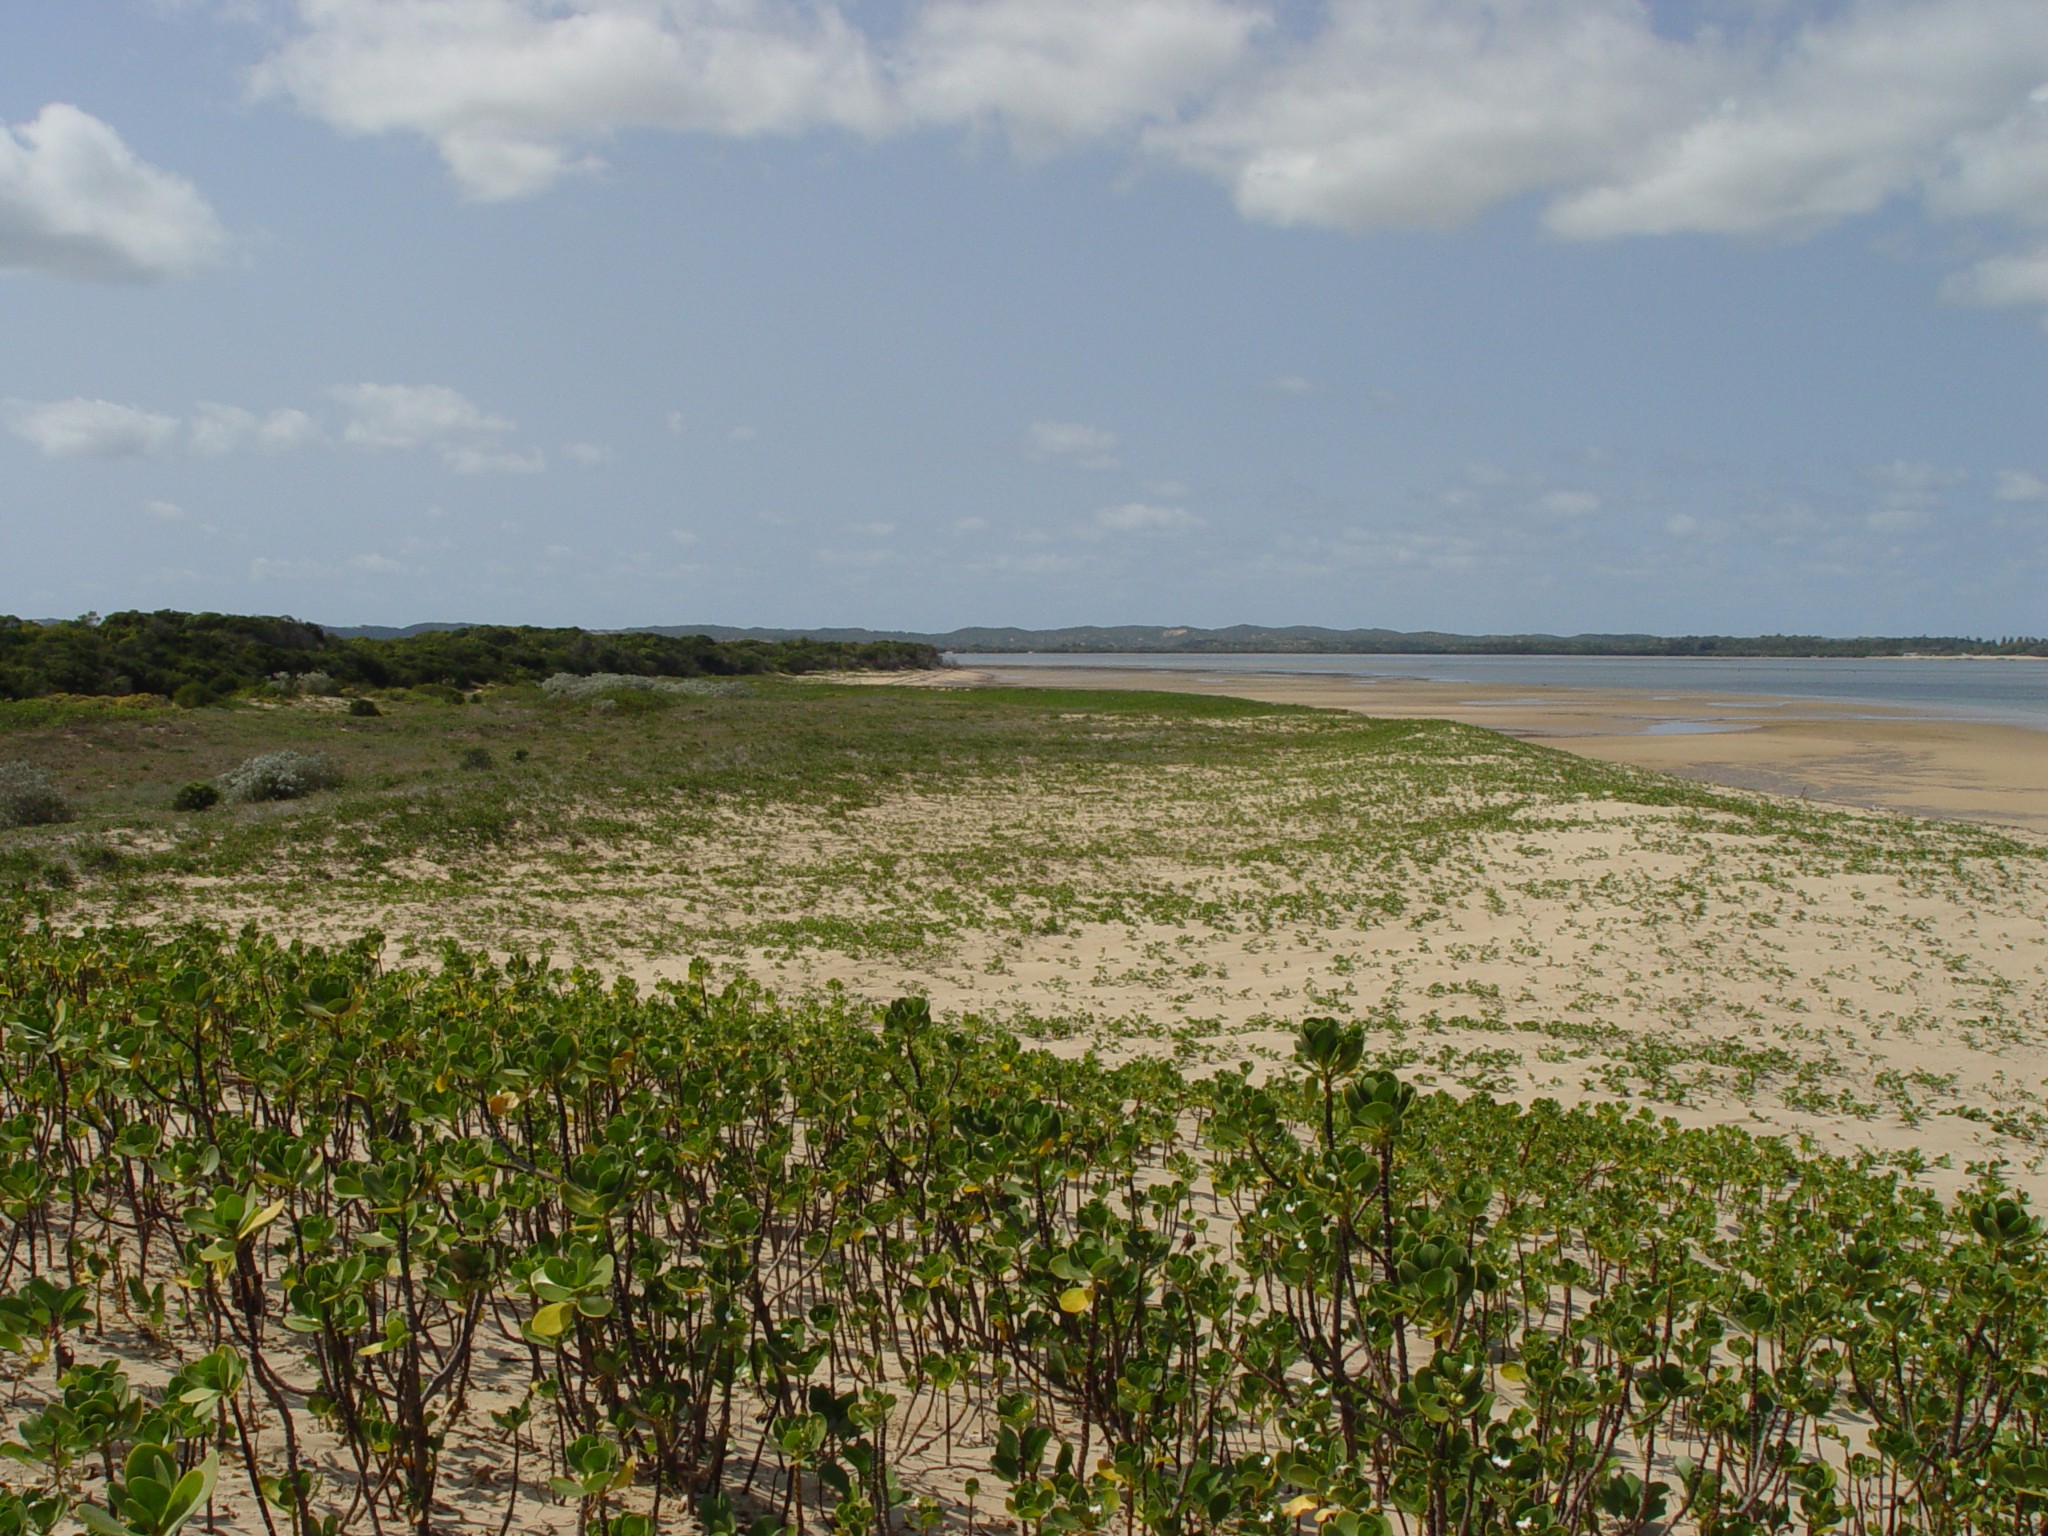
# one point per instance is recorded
(199, 657)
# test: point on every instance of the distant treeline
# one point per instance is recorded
(195, 657)
(1303, 639)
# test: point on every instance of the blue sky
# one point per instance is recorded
(1471, 314)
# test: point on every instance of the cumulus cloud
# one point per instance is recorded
(413, 415)
(590, 455)
(1423, 113)
(1075, 442)
(433, 417)
(1623, 117)
(485, 461)
(94, 429)
(1143, 517)
(76, 202)
(1567, 504)
(217, 429)
(512, 93)
(469, 439)
(164, 511)
(2001, 281)
(1062, 71)
(2020, 485)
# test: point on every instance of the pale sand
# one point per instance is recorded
(1844, 754)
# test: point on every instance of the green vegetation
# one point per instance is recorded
(199, 658)
(431, 1251)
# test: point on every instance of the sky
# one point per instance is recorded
(1484, 315)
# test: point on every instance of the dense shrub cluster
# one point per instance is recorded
(286, 775)
(398, 1234)
(201, 657)
(29, 798)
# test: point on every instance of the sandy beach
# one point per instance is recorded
(1841, 753)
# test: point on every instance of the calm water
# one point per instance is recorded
(2012, 691)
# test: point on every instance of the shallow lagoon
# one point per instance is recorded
(2009, 690)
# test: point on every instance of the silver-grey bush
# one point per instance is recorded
(286, 775)
(28, 797)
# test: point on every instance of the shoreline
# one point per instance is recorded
(1863, 756)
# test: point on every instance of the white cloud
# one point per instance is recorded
(590, 455)
(76, 202)
(1682, 525)
(513, 92)
(1044, 563)
(484, 461)
(265, 568)
(1290, 384)
(2000, 282)
(2020, 485)
(872, 530)
(217, 429)
(1060, 71)
(743, 434)
(164, 511)
(1767, 117)
(1896, 519)
(677, 421)
(1853, 110)
(683, 536)
(412, 415)
(94, 429)
(1423, 113)
(382, 565)
(970, 525)
(399, 416)
(1567, 504)
(1143, 517)
(1075, 442)
(857, 559)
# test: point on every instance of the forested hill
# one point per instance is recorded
(1306, 639)
(196, 657)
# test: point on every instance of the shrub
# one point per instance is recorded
(286, 775)
(364, 709)
(199, 795)
(618, 685)
(194, 696)
(478, 757)
(29, 799)
(441, 691)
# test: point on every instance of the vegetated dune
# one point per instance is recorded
(1522, 1038)
(1504, 917)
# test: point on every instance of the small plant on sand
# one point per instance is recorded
(478, 758)
(286, 775)
(28, 798)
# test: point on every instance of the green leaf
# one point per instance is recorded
(552, 1321)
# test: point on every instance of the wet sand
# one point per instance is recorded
(1841, 753)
